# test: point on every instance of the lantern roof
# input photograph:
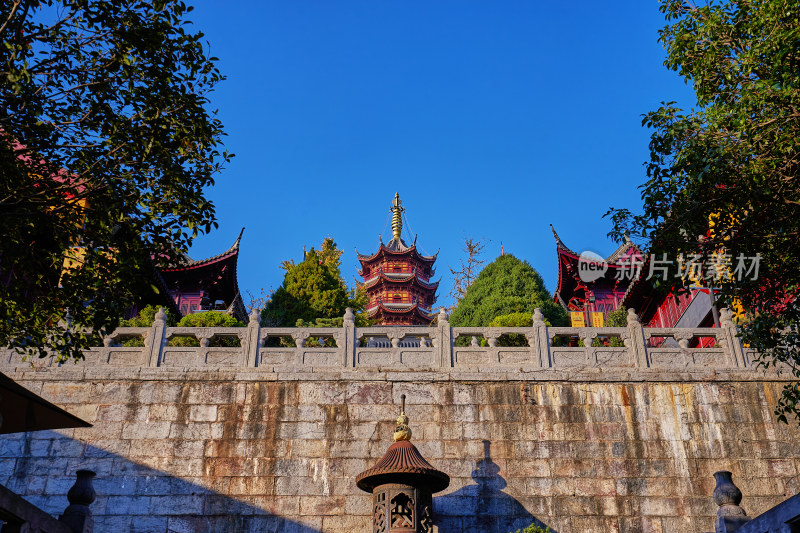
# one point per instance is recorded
(402, 463)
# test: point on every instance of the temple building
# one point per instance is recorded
(596, 294)
(189, 285)
(622, 282)
(206, 284)
(397, 279)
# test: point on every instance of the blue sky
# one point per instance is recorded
(491, 119)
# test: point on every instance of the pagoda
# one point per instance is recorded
(397, 279)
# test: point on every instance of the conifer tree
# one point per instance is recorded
(312, 289)
(506, 286)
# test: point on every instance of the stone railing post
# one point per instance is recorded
(540, 342)
(730, 339)
(156, 338)
(253, 339)
(542, 339)
(730, 516)
(637, 346)
(348, 345)
(77, 516)
(445, 335)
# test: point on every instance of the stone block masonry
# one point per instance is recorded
(582, 438)
(241, 450)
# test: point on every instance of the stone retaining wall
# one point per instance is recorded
(586, 449)
(570, 430)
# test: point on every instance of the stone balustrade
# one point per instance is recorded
(437, 347)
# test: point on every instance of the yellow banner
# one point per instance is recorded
(597, 319)
(578, 319)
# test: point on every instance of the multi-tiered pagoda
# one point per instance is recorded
(397, 279)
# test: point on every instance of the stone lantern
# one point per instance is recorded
(402, 483)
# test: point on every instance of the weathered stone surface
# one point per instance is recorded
(229, 450)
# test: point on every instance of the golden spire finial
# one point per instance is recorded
(402, 431)
(397, 218)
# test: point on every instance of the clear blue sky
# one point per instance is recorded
(491, 119)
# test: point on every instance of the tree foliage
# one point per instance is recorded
(615, 319)
(723, 179)
(512, 320)
(208, 319)
(106, 146)
(507, 285)
(312, 289)
(146, 317)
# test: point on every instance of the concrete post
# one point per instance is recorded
(156, 339)
(253, 342)
(445, 339)
(637, 345)
(348, 347)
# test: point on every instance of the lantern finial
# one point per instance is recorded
(402, 431)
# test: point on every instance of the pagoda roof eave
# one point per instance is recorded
(411, 250)
(402, 462)
(414, 309)
(186, 262)
(559, 243)
(411, 278)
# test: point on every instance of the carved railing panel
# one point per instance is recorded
(420, 348)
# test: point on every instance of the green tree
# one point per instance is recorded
(505, 286)
(615, 319)
(106, 147)
(144, 319)
(513, 320)
(208, 319)
(312, 289)
(723, 180)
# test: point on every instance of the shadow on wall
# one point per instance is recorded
(482, 507)
(131, 497)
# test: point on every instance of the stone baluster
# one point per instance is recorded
(300, 338)
(204, 336)
(156, 338)
(683, 338)
(637, 346)
(491, 338)
(730, 516)
(77, 516)
(252, 342)
(588, 337)
(395, 337)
